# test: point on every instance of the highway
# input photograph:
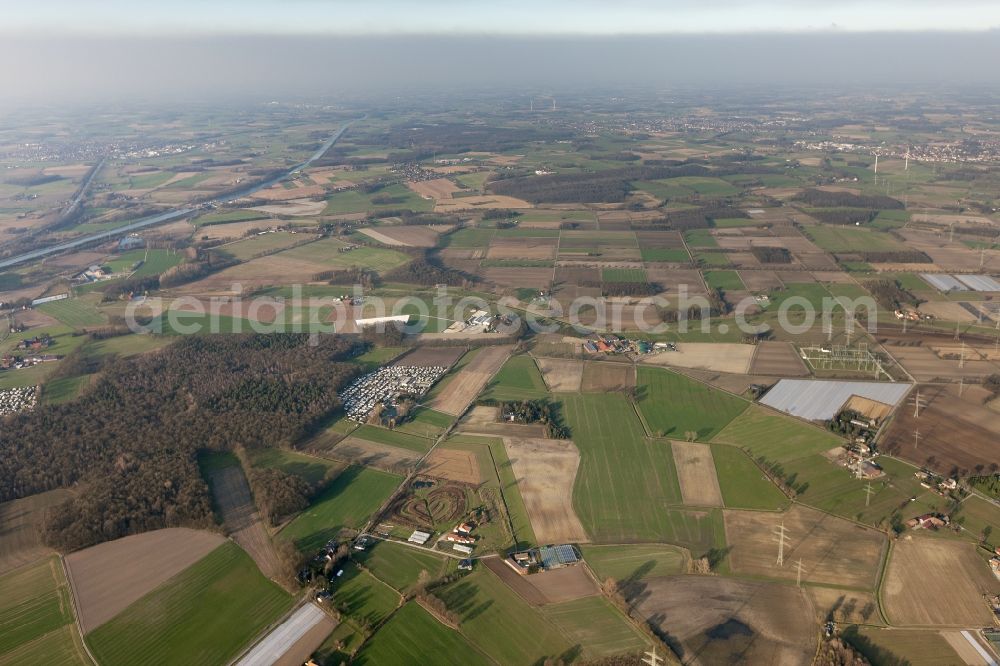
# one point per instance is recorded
(168, 215)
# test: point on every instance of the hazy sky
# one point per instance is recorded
(591, 17)
(55, 50)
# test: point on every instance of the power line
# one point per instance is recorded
(653, 659)
(780, 532)
(798, 573)
(868, 494)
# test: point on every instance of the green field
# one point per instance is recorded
(597, 626)
(501, 624)
(413, 636)
(61, 646)
(154, 262)
(65, 389)
(34, 602)
(362, 597)
(147, 181)
(635, 561)
(700, 238)
(354, 201)
(228, 216)
(393, 438)
(255, 246)
(774, 437)
(378, 355)
(205, 614)
(672, 404)
(348, 502)
(851, 239)
(712, 259)
(673, 255)
(518, 379)
(74, 312)
(623, 275)
(400, 565)
(426, 422)
(621, 470)
(743, 484)
(327, 253)
(724, 280)
(311, 469)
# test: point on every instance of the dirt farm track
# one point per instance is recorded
(108, 577)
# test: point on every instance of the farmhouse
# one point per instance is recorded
(544, 558)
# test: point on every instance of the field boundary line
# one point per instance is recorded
(266, 631)
(76, 608)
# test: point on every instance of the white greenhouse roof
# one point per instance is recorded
(820, 400)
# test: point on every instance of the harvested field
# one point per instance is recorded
(954, 432)
(438, 188)
(470, 380)
(548, 587)
(696, 474)
(778, 358)
(294, 207)
(833, 550)
(947, 310)
(564, 584)
(479, 203)
(716, 620)
(845, 606)
(431, 356)
(719, 357)
(528, 278)
(872, 409)
(21, 528)
(453, 465)
(372, 454)
(561, 374)
(515, 581)
(408, 236)
(522, 248)
(926, 366)
(241, 519)
(600, 377)
(937, 582)
(108, 577)
(546, 470)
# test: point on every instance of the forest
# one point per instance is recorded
(129, 445)
(840, 199)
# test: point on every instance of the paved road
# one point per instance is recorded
(168, 215)
(283, 637)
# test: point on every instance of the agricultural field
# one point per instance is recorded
(109, 577)
(518, 379)
(205, 614)
(743, 484)
(953, 579)
(499, 622)
(672, 405)
(696, 474)
(621, 469)
(720, 620)
(561, 374)
(467, 380)
(833, 551)
(74, 312)
(597, 626)
(36, 610)
(635, 562)
(895, 646)
(346, 503)
(399, 566)
(21, 528)
(414, 636)
(546, 470)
